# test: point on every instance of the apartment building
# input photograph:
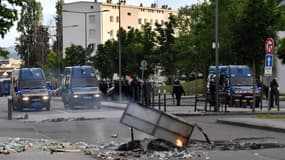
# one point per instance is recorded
(93, 23)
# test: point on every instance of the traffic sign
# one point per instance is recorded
(269, 46)
(268, 60)
(268, 71)
(143, 63)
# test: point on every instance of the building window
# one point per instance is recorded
(151, 22)
(129, 13)
(111, 19)
(140, 21)
(145, 21)
(111, 33)
(162, 22)
(129, 27)
(156, 21)
(91, 7)
(91, 19)
(91, 33)
(117, 19)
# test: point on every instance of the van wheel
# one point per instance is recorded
(21, 108)
(65, 104)
(13, 106)
(48, 107)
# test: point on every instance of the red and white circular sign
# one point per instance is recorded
(269, 46)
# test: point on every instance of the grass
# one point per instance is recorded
(190, 87)
(271, 116)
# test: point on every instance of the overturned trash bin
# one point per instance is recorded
(157, 123)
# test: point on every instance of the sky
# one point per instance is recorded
(49, 11)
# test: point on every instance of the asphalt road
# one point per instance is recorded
(106, 128)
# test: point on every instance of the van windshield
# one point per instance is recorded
(84, 82)
(33, 84)
(84, 77)
(241, 81)
(84, 73)
(31, 74)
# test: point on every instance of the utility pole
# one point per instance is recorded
(217, 57)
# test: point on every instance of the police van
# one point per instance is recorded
(235, 84)
(29, 90)
(80, 87)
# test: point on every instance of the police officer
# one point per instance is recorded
(273, 92)
(177, 91)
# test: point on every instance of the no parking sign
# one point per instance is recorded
(269, 46)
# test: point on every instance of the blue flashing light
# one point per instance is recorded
(19, 92)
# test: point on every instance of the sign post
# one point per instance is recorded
(269, 49)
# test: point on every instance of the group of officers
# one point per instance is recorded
(138, 91)
(272, 92)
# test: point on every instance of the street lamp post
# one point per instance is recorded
(85, 19)
(120, 50)
(217, 56)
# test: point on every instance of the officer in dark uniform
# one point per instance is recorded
(273, 92)
(177, 91)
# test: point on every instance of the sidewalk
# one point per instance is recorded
(267, 124)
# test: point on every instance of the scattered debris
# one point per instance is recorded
(69, 119)
(25, 116)
(132, 145)
(146, 149)
(161, 145)
(114, 136)
(157, 123)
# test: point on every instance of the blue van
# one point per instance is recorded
(29, 90)
(80, 87)
(236, 84)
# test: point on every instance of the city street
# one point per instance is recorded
(101, 126)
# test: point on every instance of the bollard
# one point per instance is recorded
(10, 108)
(158, 99)
(195, 105)
(132, 134)
(153, 92)
(164, 97)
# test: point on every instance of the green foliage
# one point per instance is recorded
(106, 59)
(8, 14)
(264, 116)
(135, 46)
(254, 28)
(74, 55)
(165, 40)
(51, 68)
(244, 25)
(281, 50)
(31, 15)
(57, 45)
(190, 87)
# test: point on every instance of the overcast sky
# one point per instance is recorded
(49, 12)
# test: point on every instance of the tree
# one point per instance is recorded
(8, 15)
(57, 45)
(165, 39)
(41, 46)
(255, 26)
(148, 43)
(51, 68)
(106, 59)
(281, 50)
(31, 15)
(75, 55)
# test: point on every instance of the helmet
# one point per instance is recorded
(176, 81)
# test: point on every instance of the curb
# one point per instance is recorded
(227, 113)
(251, 125)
